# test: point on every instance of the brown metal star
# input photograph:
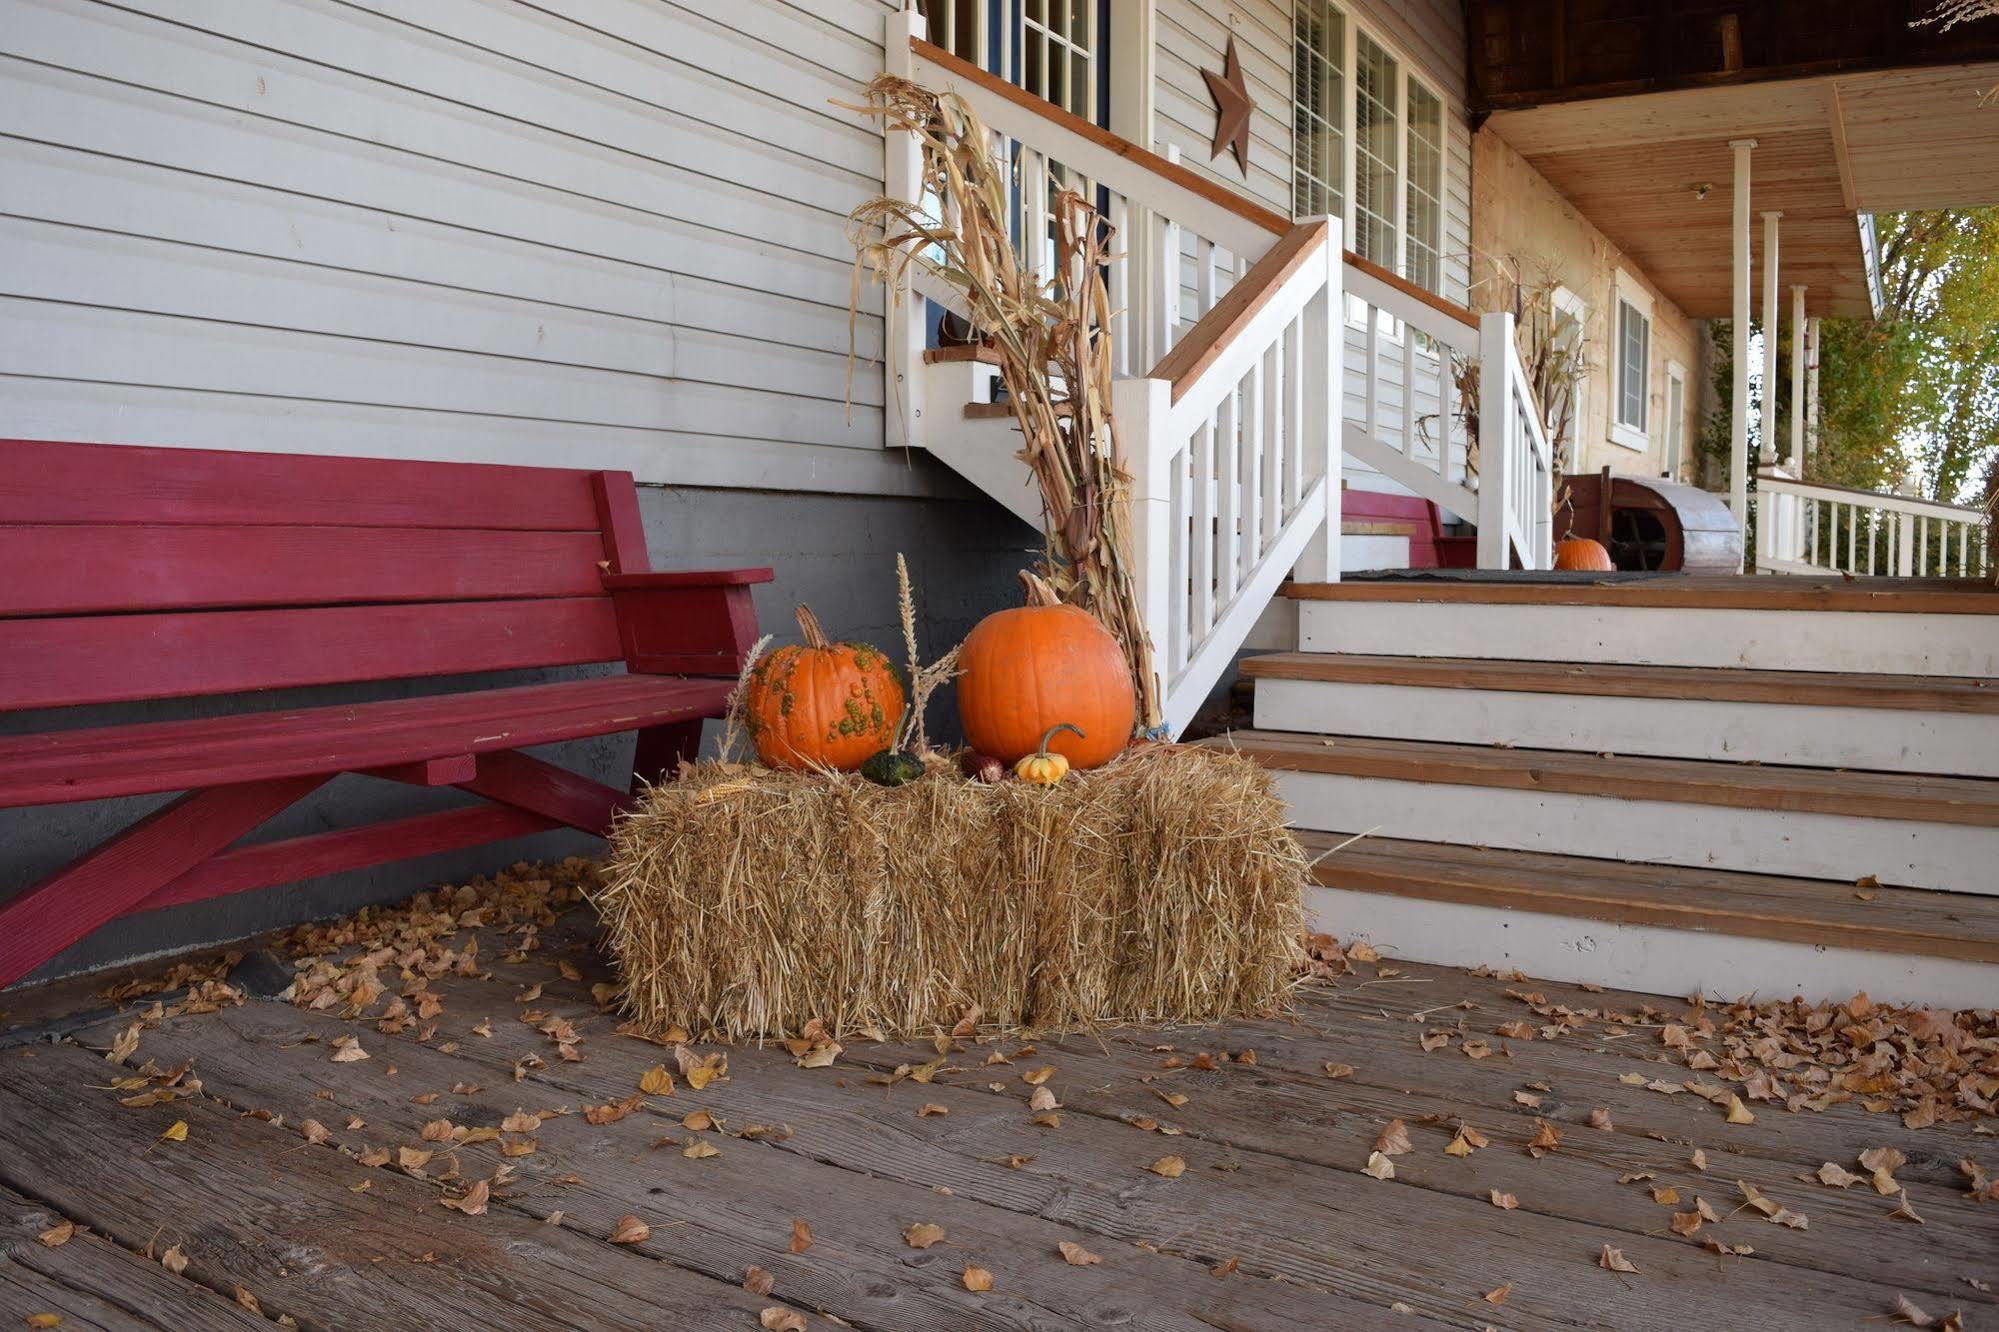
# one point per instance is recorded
(1232, 108)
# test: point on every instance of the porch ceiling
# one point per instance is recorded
(1827, 150)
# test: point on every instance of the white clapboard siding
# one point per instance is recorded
(566, 231)
(1192, 35)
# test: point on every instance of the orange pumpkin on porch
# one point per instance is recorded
(822, 704)
(1582, 553)
(1025, 670)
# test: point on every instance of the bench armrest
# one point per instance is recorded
(686, 623)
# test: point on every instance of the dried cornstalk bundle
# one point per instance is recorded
(1162, 887)
(1553, 351)
(1051, 331)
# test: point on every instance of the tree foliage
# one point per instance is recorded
(1914, 392)
(1919, 387)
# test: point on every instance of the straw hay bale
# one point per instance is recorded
(746, 902)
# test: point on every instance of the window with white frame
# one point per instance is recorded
(1631, 366)
(1319, 111)
(1369, 144)
(1058, 50)
(955, 25)
(1423, 263)
(1676, 418)
(1377, 151)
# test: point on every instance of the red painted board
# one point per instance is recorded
(43, 481)
(111, 880)
(83, 567)
(59, 662)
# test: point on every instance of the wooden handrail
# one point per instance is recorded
(1172, 172)
(1230, 315)
(1412, 291)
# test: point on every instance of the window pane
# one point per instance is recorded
(1426, 188)
(1634, 350)
(1377, 164)
(1318, 110)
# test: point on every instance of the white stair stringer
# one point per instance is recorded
(1396, 466)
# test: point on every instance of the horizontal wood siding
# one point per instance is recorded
(582, 232)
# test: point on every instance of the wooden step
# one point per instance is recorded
(1003, 411)
(1912, 693)
(1807, 911)
(1910, 797)
(1927, 596)
(979, 354)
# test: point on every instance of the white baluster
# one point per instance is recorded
(1496, 446)
(1253, 445)
(1228, 488)
(1202, 557)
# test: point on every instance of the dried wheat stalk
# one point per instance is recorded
(1051, 331)
(913, 734)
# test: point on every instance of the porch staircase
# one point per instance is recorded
(1252, 357)
(1675, 784)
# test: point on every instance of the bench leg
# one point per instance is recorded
(516, 779)
(660, 750)
(123, 872)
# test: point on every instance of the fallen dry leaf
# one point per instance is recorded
(1505, 1202)
(1837, 1176)
(58, 1235)
(1394, 1140)
(1076, 1255)
(1378, 1166)
(700, 1151)
(977, 1279)
(1498, 1296)
(922, 1235)
(931, 1109)
(176, 1132)
(1738, 1113)
(1599, 1118)
(631, 1230)
(1168, 1167)
(656, 1081)
(474, 1201)
(801, 1236)
(174, 1260)
(777, 1318)
(757, 1281)
(1225, 1269)
(43, 1320)
(1545, 1140)
(1615, 1260)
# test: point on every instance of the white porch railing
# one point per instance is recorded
(1516, 467)
(1804, 527)
(1404, 418)
(1229, 347)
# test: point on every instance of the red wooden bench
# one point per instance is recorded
(131, 574)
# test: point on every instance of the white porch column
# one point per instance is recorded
(903, 331)
(1738, 432)
(1812, 333)
(1766, 449)
(1795, 455)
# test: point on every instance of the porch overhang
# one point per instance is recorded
(1652, 170)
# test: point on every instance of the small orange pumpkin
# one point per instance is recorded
(1582, 553)
(821, 704)
(1024, 670)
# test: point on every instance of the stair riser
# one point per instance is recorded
(1869, 642)
(1945, 856)
(1371, 550)
(1651, 959)
(1894, 740)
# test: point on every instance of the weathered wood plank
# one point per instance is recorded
(91, 1283)
(1289, 1185)
(253, 1205)
(718, 1214)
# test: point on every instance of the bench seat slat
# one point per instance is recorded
(60, 662)
(79, 568)
(51, 482)
(60, 766)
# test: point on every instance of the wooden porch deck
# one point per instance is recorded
(318, 1184)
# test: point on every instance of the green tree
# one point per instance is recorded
(1914, 391)
(1919, 386)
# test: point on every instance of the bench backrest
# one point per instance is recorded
(138, 573)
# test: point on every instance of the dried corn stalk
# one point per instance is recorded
(1052, 333)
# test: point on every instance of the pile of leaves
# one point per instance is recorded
(1927, 1065)
(350, 964)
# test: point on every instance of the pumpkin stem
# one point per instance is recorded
(1049, 734)
(808, 624)
(1040, 592)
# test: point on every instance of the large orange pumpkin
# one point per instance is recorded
(1582, 553)
(1025, 670)
(821, 704)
